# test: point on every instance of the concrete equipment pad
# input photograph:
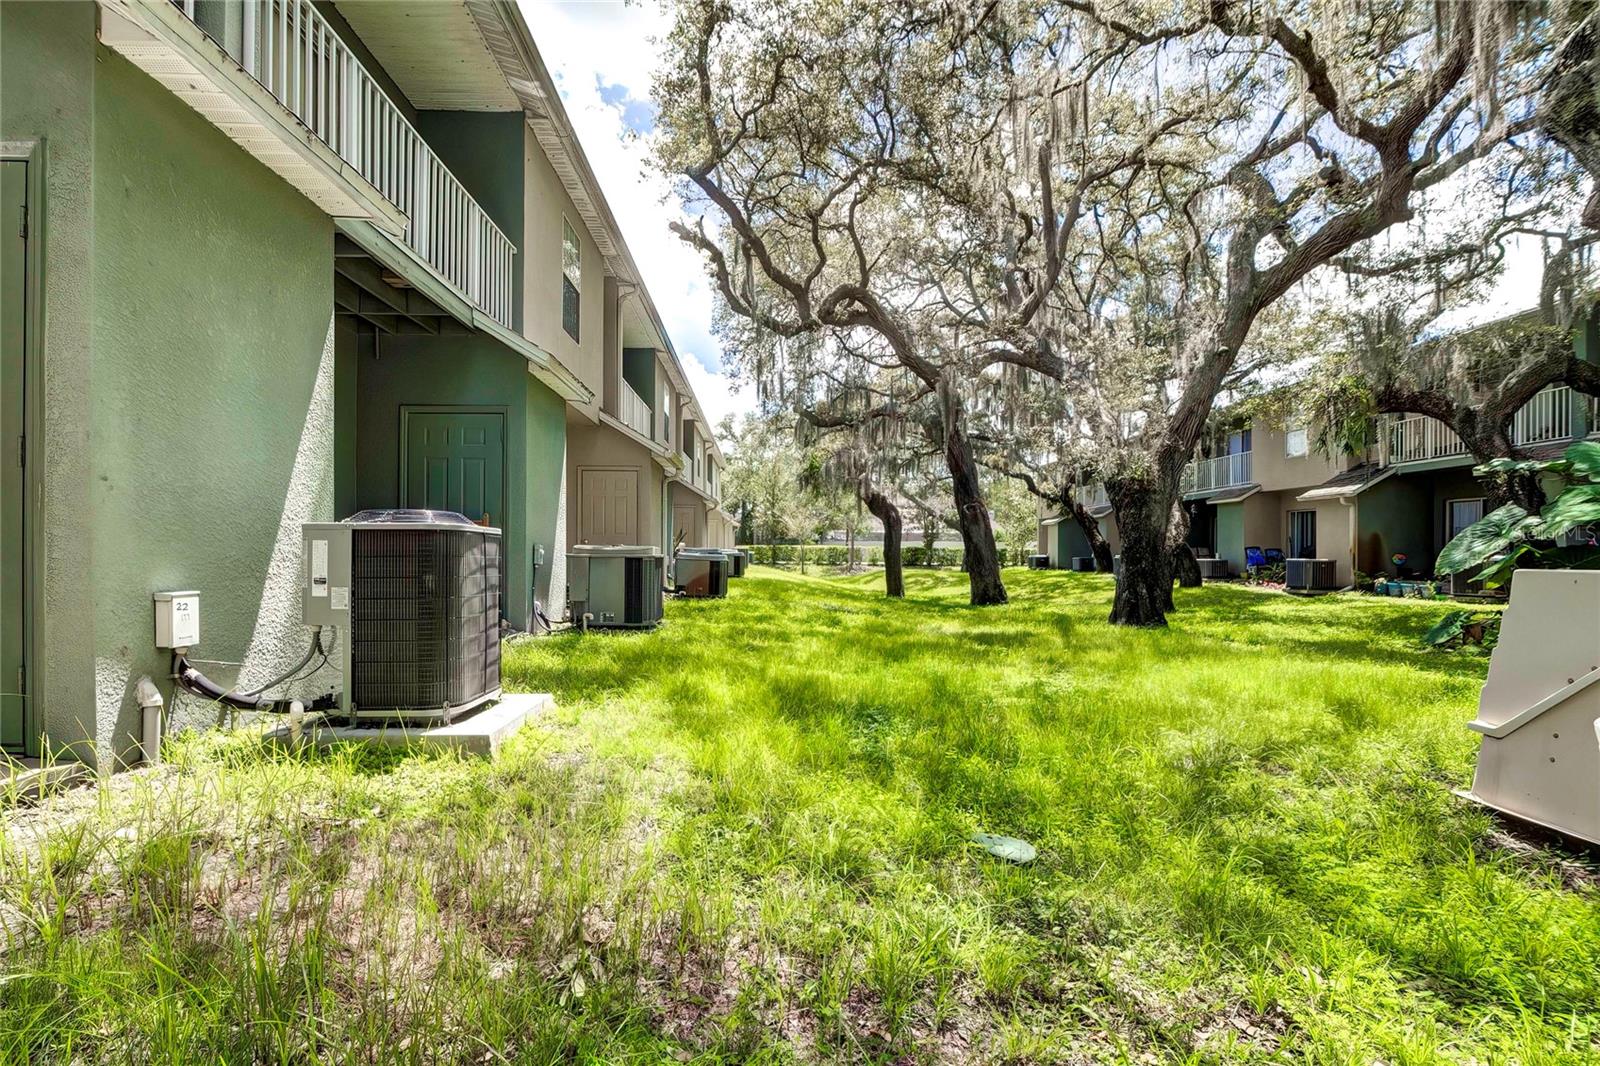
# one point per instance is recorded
(479, 733)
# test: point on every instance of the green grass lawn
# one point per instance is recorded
(743, 837)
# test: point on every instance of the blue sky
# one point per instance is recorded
(602, 56)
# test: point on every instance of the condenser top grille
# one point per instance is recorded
(414, 517)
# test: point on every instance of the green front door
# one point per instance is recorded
(13, 345)
(455, 461)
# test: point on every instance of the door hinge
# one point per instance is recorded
(22, 451)
(22, 221)
(22, 680)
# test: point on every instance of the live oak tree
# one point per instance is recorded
(816, 136)
(1335, 123)
(1473, 382)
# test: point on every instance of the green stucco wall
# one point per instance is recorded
(1070, 542)
(47, 75)
(483, 149)
(1230, 535)
(186, 387)
(212, 394)
(639, 371)
(469, 371)
(1393, 516)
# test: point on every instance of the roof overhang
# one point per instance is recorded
(509, 42)
(159, 40)
(1346, 491)
(402, 260)
(1226, 494)
(434, 51)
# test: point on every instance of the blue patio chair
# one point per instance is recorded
(1274, 557)
(1254, 557)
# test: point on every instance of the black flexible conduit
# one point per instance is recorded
(195, 683)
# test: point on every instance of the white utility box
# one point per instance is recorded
(1540, 709)
(177, 619)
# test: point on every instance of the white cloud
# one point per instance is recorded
(718, 395)
(603, 56)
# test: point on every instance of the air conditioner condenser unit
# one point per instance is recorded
(1038, 562)
(415, 596)
(1311, 574)
(1083, 564)
(701, 573)
(737, 561)
(616, 585)
(1213, 569)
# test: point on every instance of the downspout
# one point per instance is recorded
(1350, 539)
(150, 706)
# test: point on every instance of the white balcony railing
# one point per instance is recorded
(1418, 437)
(1218, 473)
(634, 412)
(1546, 417)
(297, 57)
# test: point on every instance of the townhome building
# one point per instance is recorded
(268, 262)
(1258, 487)
(1415, 489)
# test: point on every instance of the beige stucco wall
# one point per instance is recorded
(1273, 470)
(1264, 521)
(1336, 534)
(682, 495)
(605, 447)
(547, 202)
(666, 405)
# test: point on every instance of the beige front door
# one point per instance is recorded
(610, 508)
(683, 525)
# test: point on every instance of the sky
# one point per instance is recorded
(602, 56)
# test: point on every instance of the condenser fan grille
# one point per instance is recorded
(424, 617)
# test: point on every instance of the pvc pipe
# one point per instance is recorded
(297, 712)
(150, 705)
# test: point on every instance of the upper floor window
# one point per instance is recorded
(1297, 442)
(571, 278)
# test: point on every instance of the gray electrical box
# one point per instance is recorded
(325, 573)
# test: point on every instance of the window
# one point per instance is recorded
(1297, 442)
(1459, 514)
(1302, 534)
(571, 278)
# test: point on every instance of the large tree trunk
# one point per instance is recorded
(972, 515)
(1090, 525)
(1144, 588)
(1184, 564)
(882, 508)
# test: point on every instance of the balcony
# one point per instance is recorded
(1545, 419)
(634, 412)
(1224, 471)
(1418, 438)
(289, 50)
